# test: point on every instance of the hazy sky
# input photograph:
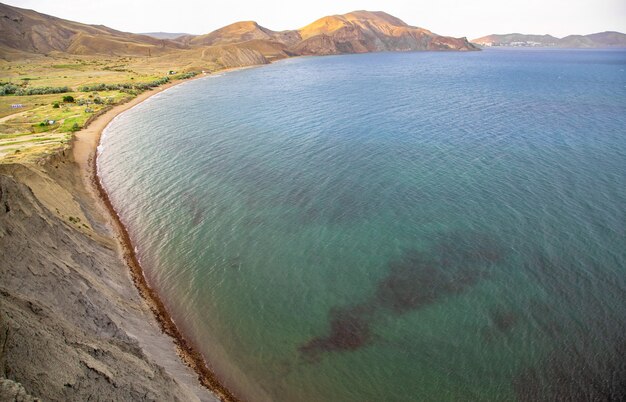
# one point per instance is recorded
(446, 17)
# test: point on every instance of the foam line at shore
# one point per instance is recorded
(86, 149)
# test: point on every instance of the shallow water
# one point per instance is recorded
(393, 226)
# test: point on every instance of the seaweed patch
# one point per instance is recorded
(413, 281)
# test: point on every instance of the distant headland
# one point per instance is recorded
(597, 40)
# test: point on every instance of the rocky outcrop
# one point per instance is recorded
(11, 391)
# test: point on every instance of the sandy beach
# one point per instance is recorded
(100, 329)
(85, 155)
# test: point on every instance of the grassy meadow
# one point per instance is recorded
(87, 86)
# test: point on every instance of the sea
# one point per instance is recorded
(424, 226)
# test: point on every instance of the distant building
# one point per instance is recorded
(17, 106)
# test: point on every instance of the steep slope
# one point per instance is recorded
(28, 31)
(241, 44)
(72, 324)
(367, 31)
(597, 40)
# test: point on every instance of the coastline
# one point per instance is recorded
(84, 149)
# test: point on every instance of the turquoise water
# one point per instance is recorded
(394, 226)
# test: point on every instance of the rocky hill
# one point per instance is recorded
(27, 33)
(365, 31)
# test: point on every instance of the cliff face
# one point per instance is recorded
(72, 325)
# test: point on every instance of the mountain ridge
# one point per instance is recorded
(27, 34)
(594, 40)
(27, 31)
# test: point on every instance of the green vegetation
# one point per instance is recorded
(120, 69)
(104, 87)
(43, 127)
(11, 136)
(140, 86)
(33, 121)
(44, 120)
(8, 89)
(11, 89)
(188, 75)
(31, 140)
(68, 66)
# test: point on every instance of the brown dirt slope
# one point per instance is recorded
(72, 324)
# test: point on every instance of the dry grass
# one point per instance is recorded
(25, 133)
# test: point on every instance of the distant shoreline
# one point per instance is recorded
(85, 153)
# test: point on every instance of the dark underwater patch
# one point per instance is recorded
(349, 330)
(413, 281)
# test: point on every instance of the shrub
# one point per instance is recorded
(55, 105)
(68, 99)
(10, 89)
(75, 127)
(185, 76)
(141, 86)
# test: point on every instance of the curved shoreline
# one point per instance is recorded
(84, 148)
